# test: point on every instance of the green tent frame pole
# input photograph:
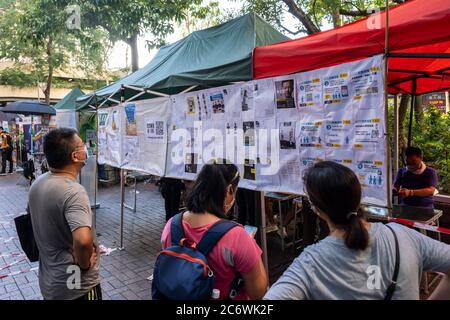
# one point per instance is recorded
(411, 113)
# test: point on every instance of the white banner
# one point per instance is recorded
(272, 129)
(67, 119)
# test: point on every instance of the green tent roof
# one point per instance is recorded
(68, 102)
(206, 58)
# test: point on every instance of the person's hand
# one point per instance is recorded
(94, 258)
(405, 193)
(394, 191)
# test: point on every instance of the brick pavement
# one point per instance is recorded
(123, 273)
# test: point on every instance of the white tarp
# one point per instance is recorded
(273, 129)
(67, 119)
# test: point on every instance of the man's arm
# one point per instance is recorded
(426, 192)
(83, 247)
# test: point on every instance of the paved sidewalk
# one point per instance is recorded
(123, 273)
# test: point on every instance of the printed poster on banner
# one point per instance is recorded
(308, 157)
(339, 128)
(367, 83)
(285, 93)
(368, 129)
(268, 155)
(311, 130)
(130, 113)
(246, 92)
(343, 157)
(131, 150)
(336, 91)
(264, 97)
(371, 172)
(309, 92)
(288, 137)
(156, 130)
(102, 119)
(290, 173)
(110, 139)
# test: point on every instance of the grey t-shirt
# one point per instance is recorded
(59, 206)
(329, 270)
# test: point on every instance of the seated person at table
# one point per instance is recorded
(357, 260)
(416, 184)
(210, 200)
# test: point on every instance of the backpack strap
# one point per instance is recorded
(210, 239)
(391, 289)
(176, 229)
(214, 234)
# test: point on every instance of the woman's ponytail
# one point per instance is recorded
(356, 236)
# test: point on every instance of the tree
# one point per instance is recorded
(201, 16)
(34, 33)
(311, 14)
(126, 20)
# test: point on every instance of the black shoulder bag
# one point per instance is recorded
(25, 233)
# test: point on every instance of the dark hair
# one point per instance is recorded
(336, 191)
(58, 147)
(413, 151)
(209, 189)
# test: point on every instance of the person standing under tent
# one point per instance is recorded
(6, 151)
(171, 191)
(63, 222)
(417, 183)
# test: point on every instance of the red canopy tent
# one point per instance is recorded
(419, 47)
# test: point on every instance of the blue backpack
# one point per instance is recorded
(182, 272)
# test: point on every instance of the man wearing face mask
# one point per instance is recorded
(416, 184)
(62, 222)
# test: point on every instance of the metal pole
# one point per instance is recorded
(96, 164)
(263, 233)
(447, 102)
(396, 134)
(122, 199)
(411, 113)
(122, 184)
(386, 112)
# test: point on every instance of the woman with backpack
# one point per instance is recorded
(358, 260)
(233, 256)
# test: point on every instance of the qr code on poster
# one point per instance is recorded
(159, 128)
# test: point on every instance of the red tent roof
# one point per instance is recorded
(417, 26)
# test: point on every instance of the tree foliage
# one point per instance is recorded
(35, 33)
(126, 20)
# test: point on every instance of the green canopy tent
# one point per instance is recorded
(207, 58)
(69, 101)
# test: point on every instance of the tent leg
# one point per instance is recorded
(122, 200)
(263, 234)
(396, 134)
(411, 113)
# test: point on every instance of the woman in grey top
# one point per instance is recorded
(357, 259)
